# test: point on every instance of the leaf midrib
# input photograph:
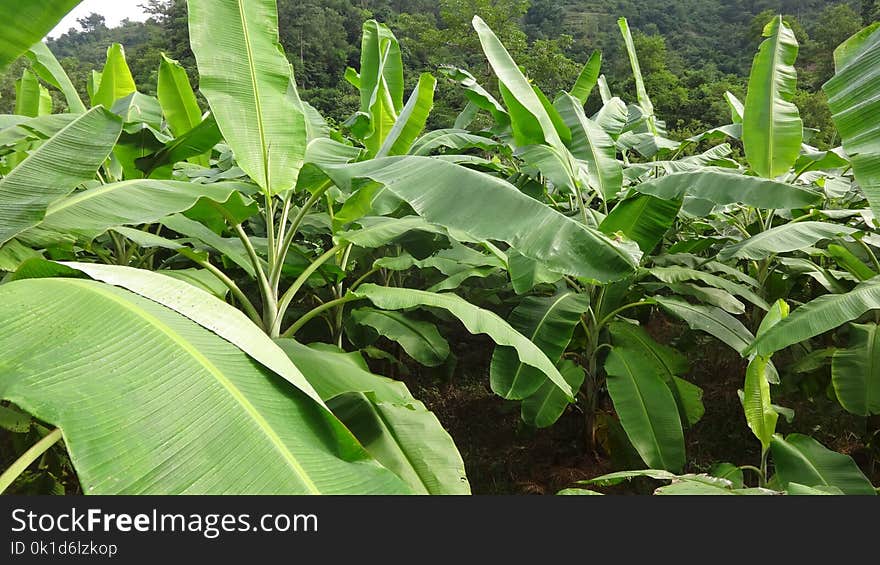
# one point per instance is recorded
(640, 397)
(234, 392)
(534, 333)
(255, 87)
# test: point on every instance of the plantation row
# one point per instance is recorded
(190, 300)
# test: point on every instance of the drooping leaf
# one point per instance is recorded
(70, 158)
(246, 78)
(847, 260)
(547, 404)
(663, 361)
(89, 213)
(819, 316)
(197, 141)
(801, 459)
(726, 188)
(394, 427)
(647, 410)
(475, 319)
(772, 127)
(217, 421)
(784, 238)
(525, 273)
(476, 94)
(855, 371)
(421, 340)
(231, 249)
(854, 100)
(457, 198)
(548, 321)
(454, 140)
(714, 321)
(680, 274)
(612, 117)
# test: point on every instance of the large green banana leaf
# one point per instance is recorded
(25, 23)
(641, 92)
(31, 98)
(855, 371)
(530, 119)
(590, 143)
(488, 208)
(245, 77)
(727, 188)
(176, 96)
(664, 361)
(55, 169)
(760, 413)
(381, 85)
(543, 408)
(819, 316)
(155, 404)
(772, 127)
(412, 118)
(475, 320)
(394, 427)
(854, 99)
(214, 315)
(643, 218)
(801, 459)
(782, 239)
(549, 322)
(646, 408)
(116, 80)
(44, 63)
(588, 77)
(89, 213)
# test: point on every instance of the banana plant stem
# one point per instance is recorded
(623, 308)
(28, 457)
(288, 296)
(236, 291)
(305, 318)
(269, 299)
(289, 233)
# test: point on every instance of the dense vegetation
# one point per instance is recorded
(691, 52)
(201, 291)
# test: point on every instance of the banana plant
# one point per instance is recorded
(279, 199)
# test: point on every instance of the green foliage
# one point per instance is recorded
(261, 193)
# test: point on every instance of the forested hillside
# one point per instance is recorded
(691, 51)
